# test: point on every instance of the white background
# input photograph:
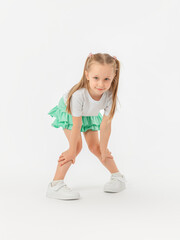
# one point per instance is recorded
(43, 48)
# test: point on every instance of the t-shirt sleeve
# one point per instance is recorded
(107, 109)
(76, 105)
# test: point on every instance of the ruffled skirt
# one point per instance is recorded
(64, 119)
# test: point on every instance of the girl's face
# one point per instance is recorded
(100, 78)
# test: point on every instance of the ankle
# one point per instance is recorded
(116, 174)
(54, 182)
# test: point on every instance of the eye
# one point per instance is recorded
(105, 78)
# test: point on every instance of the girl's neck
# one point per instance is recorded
(95, 97)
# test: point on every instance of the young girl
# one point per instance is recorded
(79, 111)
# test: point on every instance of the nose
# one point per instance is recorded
(100, 86)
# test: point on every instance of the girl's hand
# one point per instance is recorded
(106, 154)
(66, 157)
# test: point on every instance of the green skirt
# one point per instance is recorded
(64, 119)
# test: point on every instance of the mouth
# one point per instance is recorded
(99, 89)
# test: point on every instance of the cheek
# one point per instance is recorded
(108, 84)
(93, 83)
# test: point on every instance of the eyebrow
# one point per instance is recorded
(107, 76)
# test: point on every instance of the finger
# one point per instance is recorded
(61, 159)
(109, 155)
(63, 162)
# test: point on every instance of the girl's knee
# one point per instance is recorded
(95, 149)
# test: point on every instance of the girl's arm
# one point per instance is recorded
(105, 131)
(75, 132)
(104, 137)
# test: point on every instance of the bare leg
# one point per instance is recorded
(108, 163)
(92, 140)
(62, 170)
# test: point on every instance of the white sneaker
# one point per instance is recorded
(116, 184)
(61, 191)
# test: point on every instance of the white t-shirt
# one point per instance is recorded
(82, 104)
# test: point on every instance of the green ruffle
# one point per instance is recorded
(64, 119)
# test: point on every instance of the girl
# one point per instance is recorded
(79, 111)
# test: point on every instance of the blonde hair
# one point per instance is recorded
(101, 58)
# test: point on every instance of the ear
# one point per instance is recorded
(86, 74)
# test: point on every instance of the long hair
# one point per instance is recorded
(102, 58)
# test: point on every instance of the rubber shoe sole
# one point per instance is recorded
(61, 192)
(114, 189)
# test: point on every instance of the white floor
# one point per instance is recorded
(148, 209)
